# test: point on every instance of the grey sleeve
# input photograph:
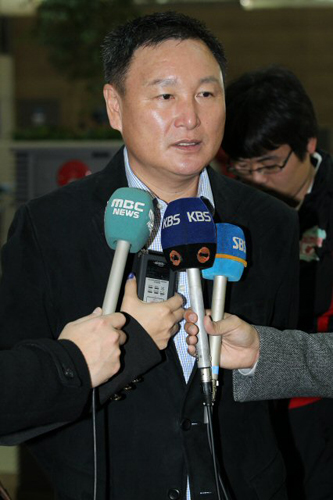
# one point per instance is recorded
(291, 363)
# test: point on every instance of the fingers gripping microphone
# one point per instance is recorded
(128, 222)
(229, 264)
(189, 243)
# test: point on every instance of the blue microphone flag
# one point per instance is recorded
(129, 216)
(188, 234)
(230, 258)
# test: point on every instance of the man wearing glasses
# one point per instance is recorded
(271, 141)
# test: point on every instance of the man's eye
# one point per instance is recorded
(165, 97)
(206, 94)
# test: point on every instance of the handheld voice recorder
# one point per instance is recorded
(156, 281)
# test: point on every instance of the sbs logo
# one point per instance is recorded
(238, 244)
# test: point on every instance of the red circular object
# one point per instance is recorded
(203, 255)
(175, 257)
(71, 171)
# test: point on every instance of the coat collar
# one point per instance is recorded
(114, 177)
(111, 178)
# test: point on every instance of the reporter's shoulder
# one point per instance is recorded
(252, 201)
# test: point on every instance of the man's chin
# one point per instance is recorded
(190, 168)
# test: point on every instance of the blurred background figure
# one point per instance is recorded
(271, 141)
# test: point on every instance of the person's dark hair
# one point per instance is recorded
(150, 30)
(266, 109)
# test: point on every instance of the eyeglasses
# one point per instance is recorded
(265, 170)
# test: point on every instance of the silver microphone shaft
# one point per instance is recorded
(217, 312)
(202, 347)
(116, 277)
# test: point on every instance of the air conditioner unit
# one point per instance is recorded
(43, 167)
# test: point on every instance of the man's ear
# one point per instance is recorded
(113, 106)
(312, 144)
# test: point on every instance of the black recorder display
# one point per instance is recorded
(156, 281)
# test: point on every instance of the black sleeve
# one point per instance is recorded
(26, 305)
(46, 383)
(42, 382)
(139, 355)
(29, 307)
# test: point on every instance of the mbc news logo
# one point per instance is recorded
(127, 208)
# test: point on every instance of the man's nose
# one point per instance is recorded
(187, 114)
(258, 177)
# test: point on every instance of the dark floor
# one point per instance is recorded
(30, 483)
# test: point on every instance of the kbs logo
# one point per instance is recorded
(198, 216)
(171, 220)
(127, 208)
(195, 216)
(239, 244)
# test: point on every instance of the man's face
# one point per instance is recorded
(291, 181)
(172, 113)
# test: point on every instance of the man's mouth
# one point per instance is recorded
(187, 144)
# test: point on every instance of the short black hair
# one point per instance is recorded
(265, 109)
(150, 30)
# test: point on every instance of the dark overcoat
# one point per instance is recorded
(55, 268)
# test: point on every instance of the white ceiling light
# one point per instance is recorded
(164, 2)
(275, 4)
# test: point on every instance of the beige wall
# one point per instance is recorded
(301, 39)
(35, 77)
(7, 98)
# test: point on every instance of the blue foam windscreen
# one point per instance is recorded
(129, 216)
(188, 234)
(230, 258)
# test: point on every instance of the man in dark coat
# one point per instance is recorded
(271, 138)
(165, 94)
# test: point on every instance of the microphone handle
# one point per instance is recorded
(116, 277)
(215, 341)
(202, 347)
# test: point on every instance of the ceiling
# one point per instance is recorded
(27, 7)
(249, 4)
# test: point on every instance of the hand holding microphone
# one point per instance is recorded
(229, 264)
(99, 339)
(240, 340)
(129, 220)
(189, 243)
(159, 319)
